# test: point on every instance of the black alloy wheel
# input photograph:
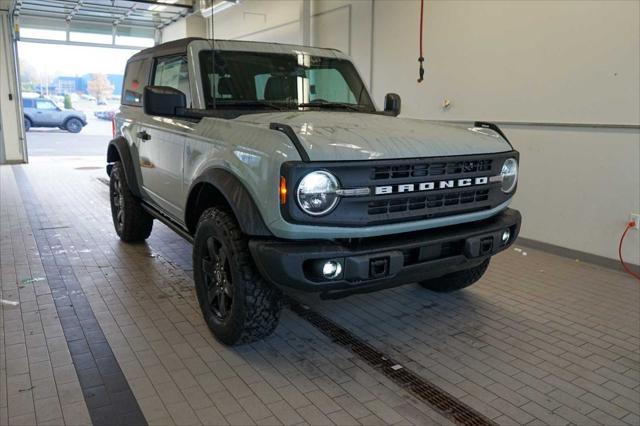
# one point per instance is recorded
(218, 279)
(117, 202)
(131, 221)
(237, 304)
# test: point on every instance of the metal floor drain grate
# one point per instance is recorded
(444, 403)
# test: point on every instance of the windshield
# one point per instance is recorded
(281, 81)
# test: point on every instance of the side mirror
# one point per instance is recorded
(163, 100)
(392, 104)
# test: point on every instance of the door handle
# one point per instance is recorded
(143, 135)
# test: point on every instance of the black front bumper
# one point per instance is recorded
(380, 262)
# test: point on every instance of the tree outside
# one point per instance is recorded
(67, 102)
(100, 87)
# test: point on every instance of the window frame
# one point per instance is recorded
(145, 84)
(156, 61)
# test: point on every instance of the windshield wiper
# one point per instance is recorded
(250, 104)
(332, 105)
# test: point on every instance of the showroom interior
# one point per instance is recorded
(96, 330)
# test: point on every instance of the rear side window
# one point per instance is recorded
(46, 105)
(135, 80)
(28, 103)
(173, 72)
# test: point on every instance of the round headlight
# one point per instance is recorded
(316, 193)
(509, 175)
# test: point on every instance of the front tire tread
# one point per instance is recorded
(262, 302)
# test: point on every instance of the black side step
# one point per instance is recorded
(177, 228)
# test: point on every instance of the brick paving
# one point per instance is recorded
(540, 340)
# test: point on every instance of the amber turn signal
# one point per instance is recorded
(283, 190)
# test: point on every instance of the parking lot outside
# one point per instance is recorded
(92, 140)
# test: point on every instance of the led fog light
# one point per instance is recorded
(331, 269)
(505, 236)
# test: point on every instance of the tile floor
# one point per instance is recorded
(108, 333)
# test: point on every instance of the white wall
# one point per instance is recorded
(345, 25)
(555, 62)
(192, 26)
(175, 31)
(261, 20)
(578, 186)
(574, 63)
(527, 61)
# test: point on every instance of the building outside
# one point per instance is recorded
(62, 85)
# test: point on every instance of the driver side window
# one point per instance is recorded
(173, 72)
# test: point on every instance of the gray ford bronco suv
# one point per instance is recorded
(42, 112)
(276, 164)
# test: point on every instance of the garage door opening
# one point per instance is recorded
(69, 96)
(72, 55)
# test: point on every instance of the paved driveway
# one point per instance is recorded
(92, 140)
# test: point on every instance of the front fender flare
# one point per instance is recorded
(118, 150)
(236, 195)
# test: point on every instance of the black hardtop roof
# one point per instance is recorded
(177, 47)
(169, 48)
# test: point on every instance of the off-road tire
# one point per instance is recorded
(73, 125)
(135, 224)
(255, 307)
(27, 124)
(456, 280)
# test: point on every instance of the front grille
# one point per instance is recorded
(427, 202)
(404, 171)
(397, 205)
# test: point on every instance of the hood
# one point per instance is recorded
(340, 136)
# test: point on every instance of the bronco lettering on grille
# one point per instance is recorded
(430, 186)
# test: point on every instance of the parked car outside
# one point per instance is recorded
(44, 112)
(105, 114)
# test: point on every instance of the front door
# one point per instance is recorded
(46, 112)
(162, 141)
(161, 152)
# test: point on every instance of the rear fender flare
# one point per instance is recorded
(118, 150)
